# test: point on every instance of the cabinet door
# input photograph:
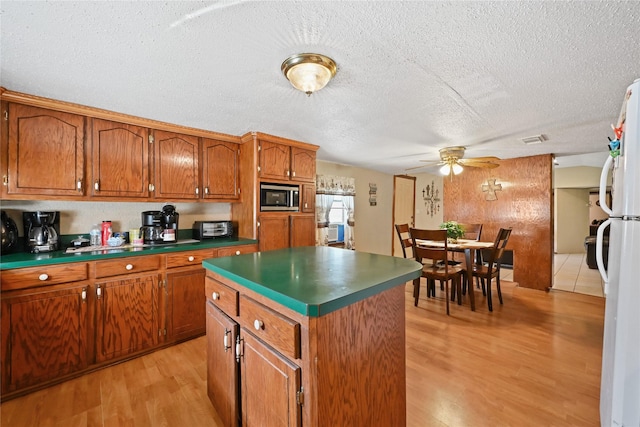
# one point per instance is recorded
(222, 368)
(273, 232)
(274, 160)
(220, 170)
(185, 304)
(120, 160)
(126, 316)
(176, 173)
(308, 204)
(44, 335)
(303, 164)
(303, 230)
(46, 152)
(269, 386)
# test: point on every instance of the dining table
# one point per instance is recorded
(466, 246)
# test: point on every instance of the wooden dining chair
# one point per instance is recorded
(405, 237)
(435, 265)
(472, 231)
(490, 268)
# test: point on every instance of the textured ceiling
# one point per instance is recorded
(412, 77)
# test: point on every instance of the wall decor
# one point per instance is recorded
(490, 189)
(431, 197)
(373, 189)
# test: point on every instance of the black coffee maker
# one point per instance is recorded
(170, 221)
(41, 231)
(160, 226)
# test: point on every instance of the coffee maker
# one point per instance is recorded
(160, 226)
(41, 231)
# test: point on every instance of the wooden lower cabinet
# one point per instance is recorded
(127, 316)
(222, 368)
(270, 385)
(44, 334)
(184, 304)
(303, 230)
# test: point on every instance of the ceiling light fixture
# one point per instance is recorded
(309, 72)
(451, 166)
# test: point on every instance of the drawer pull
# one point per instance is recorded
(43, 276)
(215, 296)
(191, 258)
(237, 252)
(129, 267)
(258, 324)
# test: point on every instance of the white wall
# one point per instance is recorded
(373, 229)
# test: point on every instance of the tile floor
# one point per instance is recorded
(572, 274)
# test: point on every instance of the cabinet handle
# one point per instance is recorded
(288, 174)
(238, 348)
(206, 190)
(79, 185)
(226, 340)
(215, 296)
(129, 267)
(43, 277)
(237, 252)
(98, 292)
(96, 185)
(191, 258)
(294, 173)
(152, 187)
(258, 324)
(197, 191)
(305, 206)
(84, 295)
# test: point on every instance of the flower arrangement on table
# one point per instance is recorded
(454, 230)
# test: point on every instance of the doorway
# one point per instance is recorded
(404, 207)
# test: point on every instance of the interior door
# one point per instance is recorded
(404, 207)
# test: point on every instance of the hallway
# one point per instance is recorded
(572, 274)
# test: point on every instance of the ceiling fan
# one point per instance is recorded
(452, 160)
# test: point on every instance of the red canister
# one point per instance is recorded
(106, 232)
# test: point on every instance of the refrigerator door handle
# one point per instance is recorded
(599, 261)
(602, 195)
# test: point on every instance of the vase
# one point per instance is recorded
(452, 240)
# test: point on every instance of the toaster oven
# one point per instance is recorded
(212, 229)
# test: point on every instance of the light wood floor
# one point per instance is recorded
(535, 361)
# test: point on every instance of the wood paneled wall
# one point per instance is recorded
(524, 203)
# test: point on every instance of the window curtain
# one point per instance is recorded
(328, 186)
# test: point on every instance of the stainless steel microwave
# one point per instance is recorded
(279, 197)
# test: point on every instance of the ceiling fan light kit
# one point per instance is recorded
(309, 72)
(451, 159)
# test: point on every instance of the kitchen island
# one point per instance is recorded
(311, 336)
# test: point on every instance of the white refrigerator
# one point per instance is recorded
(620, 383)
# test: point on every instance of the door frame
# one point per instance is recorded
(393, 209)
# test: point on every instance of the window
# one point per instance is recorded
(337, 212)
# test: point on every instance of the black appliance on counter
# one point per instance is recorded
(212, 229)
(160, 227)
(9, 234)
(41, 231)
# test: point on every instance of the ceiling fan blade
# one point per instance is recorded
(480, 164)
(482, 159)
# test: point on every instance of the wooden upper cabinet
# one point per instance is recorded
(120, 161)
(308, 201)
(274, 160)
(220, 169)
(176, 172)
(45, 152)
(303, 164)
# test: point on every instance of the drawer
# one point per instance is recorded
(184, 259)
(130, 265)
(237, 250)
(273, 328)
(222, 296)
(21, 278)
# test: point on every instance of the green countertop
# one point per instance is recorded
(314, 281)
(25, 259)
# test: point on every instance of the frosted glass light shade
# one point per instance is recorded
(309, 72)
(446, 169)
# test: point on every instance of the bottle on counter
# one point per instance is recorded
(107, 231)
(95, 236)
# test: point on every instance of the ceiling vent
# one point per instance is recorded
(536, 139)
